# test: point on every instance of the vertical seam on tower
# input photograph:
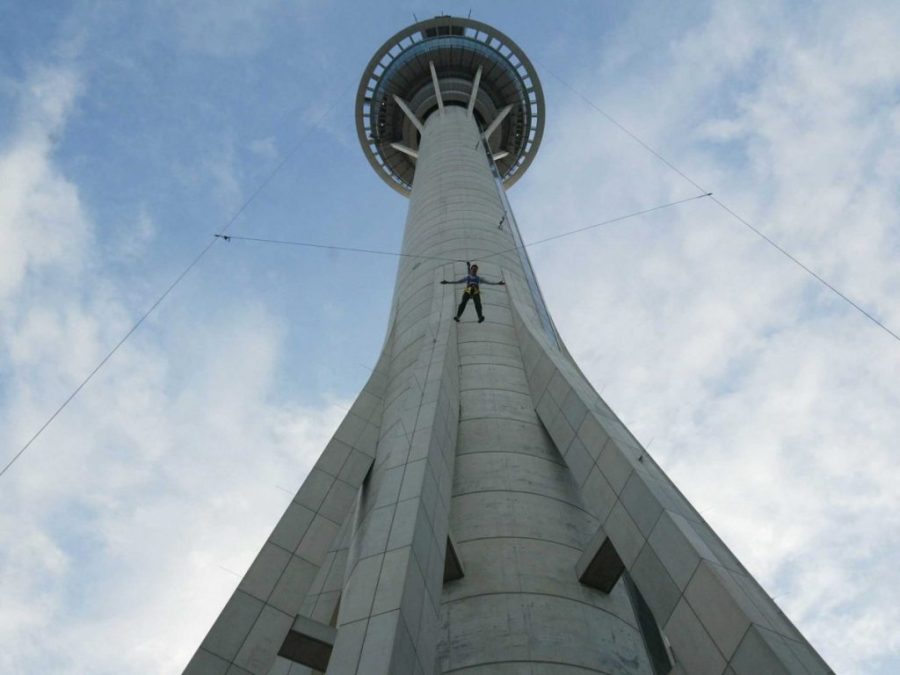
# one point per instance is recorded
(394, 513)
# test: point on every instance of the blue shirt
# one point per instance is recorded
(474, 280)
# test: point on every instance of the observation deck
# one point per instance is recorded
(448, 61)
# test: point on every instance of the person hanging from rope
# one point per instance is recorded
(472, 282)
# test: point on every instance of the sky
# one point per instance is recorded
(130, 133)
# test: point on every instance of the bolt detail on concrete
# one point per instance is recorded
(572, 551)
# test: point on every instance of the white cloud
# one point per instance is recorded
(119, 519)
(41, 220)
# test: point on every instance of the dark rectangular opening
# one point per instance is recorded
(308, 643)
(604, 569)
(306, 651)
(452, 567)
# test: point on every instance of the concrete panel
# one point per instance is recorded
(624, 533)
(539, 376)
(709, 594)
(265, 571)
(413, 588)
(693, 648)
(338, 502)
(347, 647)
(333, 457)
(678, 547)
(350, 429)
(291, 588)
(257, 654)
(233, 625)
(413, 477)
(206, 663)
(641, 504)
(574, 409)
(236, 670)
(383, 489)
(404, 658)
(762, 651)
(325, 607)
(378, 646)
(355, 468)
(557, 425)
(314, 489)
(771, 615)
(359, 594)
(292, 526)
(655, 585)
(808, 657)
(592, 436)
(393, 573)
(598, 495)
(372, 534)
(404, 524)
(579, 461)
(558, 388)
(317, 540)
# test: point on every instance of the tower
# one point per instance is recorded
(481, 509)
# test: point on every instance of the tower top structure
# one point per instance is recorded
(448, 61)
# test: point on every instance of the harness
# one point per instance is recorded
(471, 285)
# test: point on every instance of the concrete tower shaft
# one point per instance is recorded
(502, 491)
(481, 509)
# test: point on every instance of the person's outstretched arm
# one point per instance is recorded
(458, 281)
(493, 283)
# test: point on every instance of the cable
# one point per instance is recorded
(288, 242)
(725, 207)
(625, 129)
(333, 247)
(108, 356)
(600, 224)
(812, 273)
(174, 283)
(290, 153)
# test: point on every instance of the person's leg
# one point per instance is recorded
(477, 299)
(462, 306)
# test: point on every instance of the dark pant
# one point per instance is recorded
(476, 298)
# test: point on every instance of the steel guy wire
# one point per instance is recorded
(351, 249)
(840, 294)
(259, 188)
